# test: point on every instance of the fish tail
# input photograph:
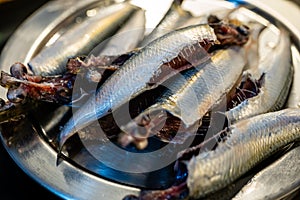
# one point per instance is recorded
(67, 131)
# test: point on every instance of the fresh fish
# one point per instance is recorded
(246, 144)
(152, 65)
(191, 95)
(81, 39)
(137, 74)
(272, 79)
(174, 17)
(266, 184)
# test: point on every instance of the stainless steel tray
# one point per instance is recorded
(29, 141)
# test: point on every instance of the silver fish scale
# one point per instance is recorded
(138, 70)
(206, 87)
(265, 184)
(134, 75)
(278, 77)
(81, 39)
(191, 95)
(249, 142)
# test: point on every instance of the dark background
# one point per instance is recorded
(14, 183)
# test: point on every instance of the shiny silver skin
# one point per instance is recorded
(276, 181)
(37, 29)
(81, 39)
(135, 75)
(248, 142)
(278, 75)
(192, 95)
(281, 178)
(29, 148)
(37, 158)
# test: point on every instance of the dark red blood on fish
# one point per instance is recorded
(247, 88)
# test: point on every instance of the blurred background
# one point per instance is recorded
(14, 183)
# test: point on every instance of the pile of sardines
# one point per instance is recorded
(188, 68)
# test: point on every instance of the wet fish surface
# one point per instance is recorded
(153, 64)
(272, 79)
(191, 95)
(134, 76)
(265, 184)
(197, 72)
(81, 39)
(247, 143)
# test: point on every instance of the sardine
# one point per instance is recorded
(275, 181)
(136, 74)
(173, 19)
(152, 65)
(81, 39)
(262, 185)
(274, 72)
(191, 95)
(246, 144)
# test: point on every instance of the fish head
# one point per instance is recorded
(229, 33)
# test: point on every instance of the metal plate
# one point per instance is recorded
(29, 141)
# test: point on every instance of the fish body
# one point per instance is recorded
(82, 39)
(265, 184)
(206, 87)
(136, 73)
(191, 95)
(247, 143)
(276, 72)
